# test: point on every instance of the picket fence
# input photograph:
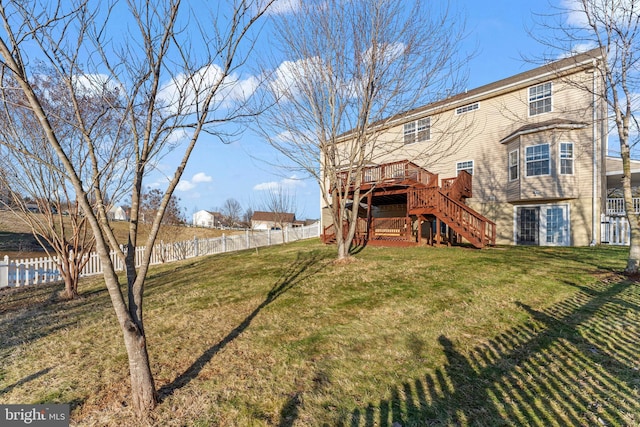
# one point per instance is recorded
(24, 272)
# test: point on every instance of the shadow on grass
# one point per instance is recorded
(24, 380)
(305, 265)
(574, 364)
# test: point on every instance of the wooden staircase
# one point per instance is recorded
(468, 223)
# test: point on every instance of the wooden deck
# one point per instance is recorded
(435, 214)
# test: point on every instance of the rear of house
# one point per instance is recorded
(534, 145)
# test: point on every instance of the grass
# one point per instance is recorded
(285, 337)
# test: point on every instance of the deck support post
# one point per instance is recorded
(438, 235)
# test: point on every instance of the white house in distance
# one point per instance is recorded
(117, 213)
(273, 220)
(207, 219)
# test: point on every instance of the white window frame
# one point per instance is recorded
(562, 156)
(527, 160)
(543, 232)
(460, 168)
(514, 165)
(467, 108)
(417, 131)
(409, 132)
(540, 95)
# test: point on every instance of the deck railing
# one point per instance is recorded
(459, 187)
(463, 219)
(391, 227)
(615, 206)
(389, 172)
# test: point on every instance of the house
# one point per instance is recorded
(528, 167)
(208, 219)
(261, 220)
(117, 213)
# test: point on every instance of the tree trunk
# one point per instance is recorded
(633, 262)
(143, 389)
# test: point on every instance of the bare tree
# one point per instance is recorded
(613, 26)
(231, 211)
(281, 203)
(41, 194)
(173, 70)
(349, 68)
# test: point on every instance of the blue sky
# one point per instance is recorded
(497, 32)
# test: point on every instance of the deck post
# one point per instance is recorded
(438, 236)
(369, 214)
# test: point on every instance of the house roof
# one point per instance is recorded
(565, 66)
(273, 216)
(541, 126)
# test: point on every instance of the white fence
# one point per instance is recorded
(614, 230)
(25, 272)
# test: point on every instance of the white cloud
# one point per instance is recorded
(201, 177)
(187, 185)
(286, 183)
(186, 92)
(577, 17)
(282, 7)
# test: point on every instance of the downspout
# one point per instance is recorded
(594, 192)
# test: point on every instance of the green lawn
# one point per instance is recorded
(285, 337)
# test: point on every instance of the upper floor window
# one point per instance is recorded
(540, 99)
(467, 108)
(566, 158)
(464, 166)
(417, 131)
(514, 165)
(537, 160)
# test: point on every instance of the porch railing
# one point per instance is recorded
(615, 206)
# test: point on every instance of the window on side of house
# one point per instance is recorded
(467, 108)
(417, 131)
(540, 99)
(464, 166)
(537, 160)
(424, 129)
(566, 158)
(514, 165)
(410, 133)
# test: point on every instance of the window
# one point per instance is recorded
(540, 99)
(464, 166)
(537, 160)
(467, 108)
(566, 158)
(410, 133)
(514, 166)
(419, 130)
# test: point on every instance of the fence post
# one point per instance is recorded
(286, 235)
(196, 249)
(4, 272)
(224, 243)
(246, 233)
(269, 237)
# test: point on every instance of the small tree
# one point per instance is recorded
(150, 207)
(173, 70)
(613, 26)
(281, 202)
(348, 69)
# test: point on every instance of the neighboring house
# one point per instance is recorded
(117, 213)
(533, 145)
(206, 219)
(273, 221)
